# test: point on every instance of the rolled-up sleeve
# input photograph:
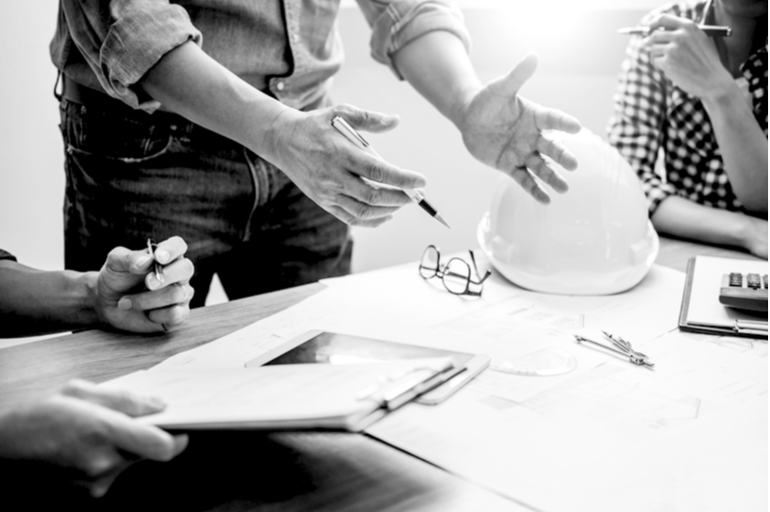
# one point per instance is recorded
(395, 23)
(123, 40)
(636, 128)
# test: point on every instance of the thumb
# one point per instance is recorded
(367, 120)
(117, 400)
(519, 75)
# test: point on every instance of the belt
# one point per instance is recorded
(76, 93)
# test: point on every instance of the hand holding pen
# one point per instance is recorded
(329, 169)
(357, 140)
(687, 56)
(145, 290)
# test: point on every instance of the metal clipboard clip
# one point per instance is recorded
(393, 391)
(619, 346)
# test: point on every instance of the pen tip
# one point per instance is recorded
(441, 220)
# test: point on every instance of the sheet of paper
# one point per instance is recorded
(705, 308)
(616, 438)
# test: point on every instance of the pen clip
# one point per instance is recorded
(340, 124)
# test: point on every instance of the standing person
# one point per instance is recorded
(703, 101)
(211, 119)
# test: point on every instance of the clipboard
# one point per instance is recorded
(314, 347)
(701, 310)
(282, 397)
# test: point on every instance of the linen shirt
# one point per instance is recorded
(289, 49)
(650, 113)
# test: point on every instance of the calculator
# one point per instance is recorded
(744, 291)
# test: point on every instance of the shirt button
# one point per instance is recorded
(280, 86)
(294, 38)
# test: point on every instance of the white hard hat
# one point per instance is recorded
(596, 239)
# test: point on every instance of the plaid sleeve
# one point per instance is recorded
(395, 23)
(636, 128)
(121, 40)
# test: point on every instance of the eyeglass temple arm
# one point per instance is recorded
(476, 269)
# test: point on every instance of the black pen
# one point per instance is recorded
(354, 137)
(710, 30)
(156, 267)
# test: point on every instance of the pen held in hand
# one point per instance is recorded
(709, 30)
(353, 136)
(156, 267)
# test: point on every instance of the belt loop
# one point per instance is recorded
(58, 95)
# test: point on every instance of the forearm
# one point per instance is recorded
(192, 84)
(743, 146)
(438, 67)
(37, 302)
(686, 219)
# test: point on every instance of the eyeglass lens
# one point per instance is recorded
(456, 276)
(429, 263)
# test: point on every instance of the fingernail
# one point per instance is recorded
(162, 255)
(142, 260)
(153, 283)
(124, 303)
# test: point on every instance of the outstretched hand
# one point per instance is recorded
(129, 297)
(506, 132)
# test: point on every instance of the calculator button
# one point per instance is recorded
(752, 281)
(736, 279)
(764, 278)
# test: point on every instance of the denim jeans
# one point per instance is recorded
(131, 176)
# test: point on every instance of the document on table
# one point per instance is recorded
(617, 437)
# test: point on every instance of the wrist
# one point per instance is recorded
(86, 295)
(722, 95)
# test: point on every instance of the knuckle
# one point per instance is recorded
(374, 171)
(372, 196)
(189, 267)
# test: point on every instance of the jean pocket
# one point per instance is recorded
(113, 136)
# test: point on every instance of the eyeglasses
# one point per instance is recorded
(456, 274)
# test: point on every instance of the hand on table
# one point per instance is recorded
(129, 297)
(88, 432)
(505, 131)
(328, 168)
(687, 56)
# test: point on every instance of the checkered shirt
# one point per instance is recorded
(652, 113)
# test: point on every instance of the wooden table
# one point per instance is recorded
(249, 470)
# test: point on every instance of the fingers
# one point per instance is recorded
(169, 250)
(668, 22)
(551, 119)
(351, 220)
(523, 71)
(366, 120)
(524, 178)
(540, 168)
(117, 400)
(143, 441)
(180, 271)
(378, 170)
(555, 150)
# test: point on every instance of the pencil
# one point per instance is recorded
(710, 30)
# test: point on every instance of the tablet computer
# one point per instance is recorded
(320, 347)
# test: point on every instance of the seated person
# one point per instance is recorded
(84, 431)
(703, 101)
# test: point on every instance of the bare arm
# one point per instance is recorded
(687, 219)
(690, 60)
(124, 294)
